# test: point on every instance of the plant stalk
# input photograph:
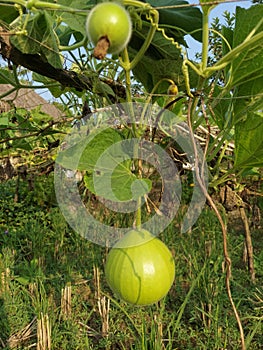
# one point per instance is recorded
(205, 41)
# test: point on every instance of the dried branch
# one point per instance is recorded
(37, 64)
(228, 262)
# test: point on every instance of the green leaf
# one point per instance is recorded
(83, 151)
(8, 13)
(247, 98)
(221, 107)
(243, 92)
(75, 22)
(107, 159)
(163, 57)
(160, 46)
(187, 20)
(40, 39)
(149, 72)
(101, 88)
(108, 178)
(54, 87)
(140, 187)
(115, 181)
(227, 44)
(23, 280)
(7, 77)
(247, 67)
(112, 177)
(77, 4)
(97, 146)
(249, 141)
(21, 144)
(5, 121)
(249, 62)
(40, 117)
(144, 73)
(64, 34)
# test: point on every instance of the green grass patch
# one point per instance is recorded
(53, 290)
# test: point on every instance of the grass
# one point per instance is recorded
(53, 293)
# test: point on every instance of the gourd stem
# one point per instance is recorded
(138, 221)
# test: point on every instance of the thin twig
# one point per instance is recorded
(35, 133)
(249, 245)
(207, 138)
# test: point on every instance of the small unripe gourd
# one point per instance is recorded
(108, 27)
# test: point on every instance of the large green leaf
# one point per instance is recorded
(243, 93)
(108, 159)
(108, 167)
(64, 34)
(249, 63)
(222, 108)
(83, 151)
(249, 141)
(160, 47)
(40, 39)
(149, 72)
(247, 67)
(246, 80)
(247, 98)
(176, 22)
(100, 144)
(75, 22)
(163, 57)
(115, 181)
(228, 34)
(186, 19)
